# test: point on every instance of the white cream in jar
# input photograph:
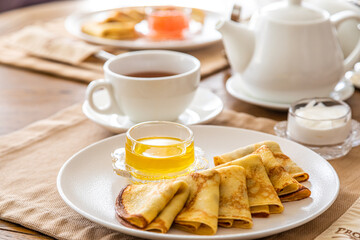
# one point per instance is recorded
(318, 124)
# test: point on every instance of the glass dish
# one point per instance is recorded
(156, 151)
(329, 132)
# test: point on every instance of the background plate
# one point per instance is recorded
(208, 34)
(88, 185)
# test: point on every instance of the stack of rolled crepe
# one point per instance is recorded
(196, 203)
(263, 199)
(291, 167)
(284, 174)
(120, 24)
(228, 195)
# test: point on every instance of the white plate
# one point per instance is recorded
(205, 107)
(199, 36)
(342, 91)
(88, 185)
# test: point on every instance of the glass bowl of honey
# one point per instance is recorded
(156, 151)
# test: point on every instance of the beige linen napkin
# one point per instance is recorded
(33, 46)
(39, 42)
(31, 158)
(346, 227)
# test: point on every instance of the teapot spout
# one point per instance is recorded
(239, 42)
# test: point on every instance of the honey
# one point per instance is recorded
(159, 154)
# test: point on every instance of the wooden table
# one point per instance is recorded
(27, 96)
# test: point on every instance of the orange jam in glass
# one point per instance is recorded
(168, 24)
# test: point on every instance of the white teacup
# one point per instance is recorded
(134, 91)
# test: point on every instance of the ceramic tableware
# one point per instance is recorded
(88, 185)
(200, 36)
(148, 85)
(289, 51)
(348, 32)
(342, 91)
(204, 108)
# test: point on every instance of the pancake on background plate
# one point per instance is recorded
(263, 199)
(234, 209)
(111, 30)
(135, 15)
(151, 206)
(291, 167)
(200, 213)
(120, 24)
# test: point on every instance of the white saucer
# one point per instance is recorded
(342, 91)
(205, 107)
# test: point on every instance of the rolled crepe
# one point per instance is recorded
(112, 30)
(151, 206)
(126, 15)
(234, 209)
(301, 193)
(200, 213)
(263, 199)
(284, 184)
(291, 167)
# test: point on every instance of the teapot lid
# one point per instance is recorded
(294, 11)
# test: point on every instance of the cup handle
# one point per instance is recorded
(337, 19)
(99, 84)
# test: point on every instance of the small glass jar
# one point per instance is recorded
(322, 124)
(168, 22)
(158, 150)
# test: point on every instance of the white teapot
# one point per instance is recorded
(348, 33)
(288, 51)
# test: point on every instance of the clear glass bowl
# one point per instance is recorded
(156, 151)
(331, 137)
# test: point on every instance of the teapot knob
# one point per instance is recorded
(295, 2)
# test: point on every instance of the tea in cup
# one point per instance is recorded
(148, 85)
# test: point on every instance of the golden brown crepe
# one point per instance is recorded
(263, 198)
(284, 184)
(111, 30)
(164, 220)
(291, 167)
(126, 15)
(151, 206)
(198, 15)
(120, 24)
(234, 209)
(200, 213)
(301, 193)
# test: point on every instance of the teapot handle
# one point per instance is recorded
(337, 19)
